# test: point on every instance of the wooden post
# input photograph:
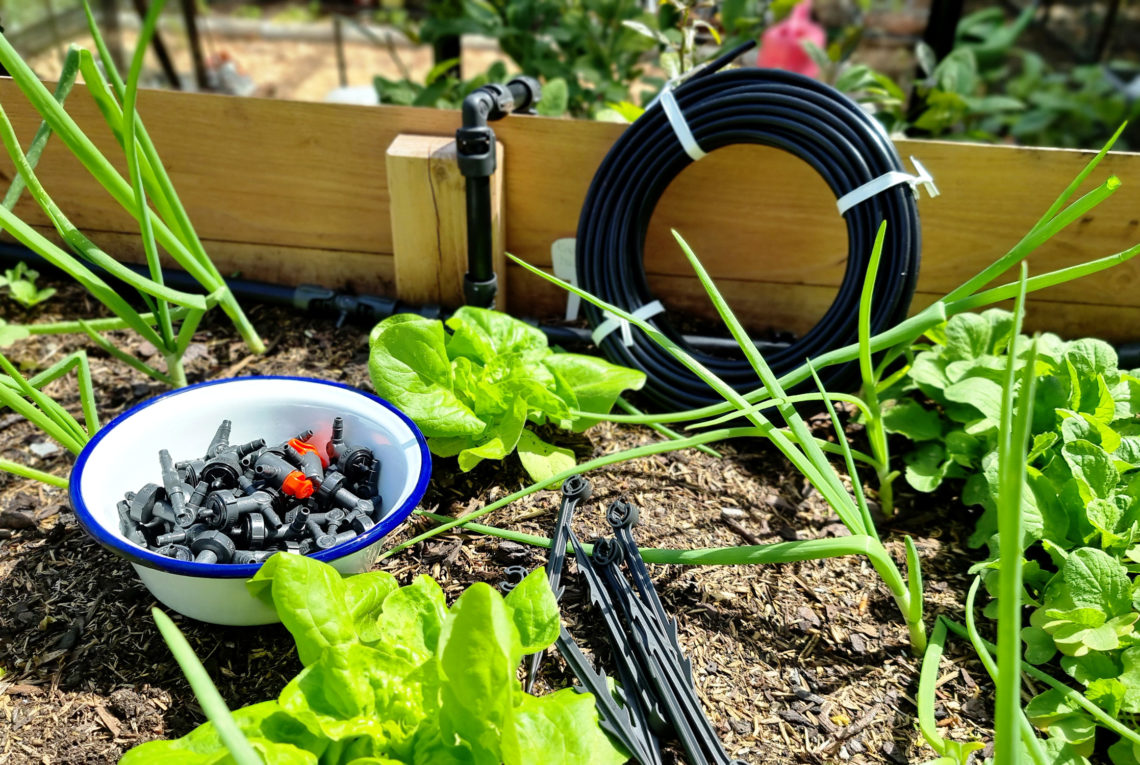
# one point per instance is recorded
(429, 220)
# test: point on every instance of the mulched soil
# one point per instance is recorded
(796, 663)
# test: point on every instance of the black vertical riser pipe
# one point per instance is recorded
(475, 148)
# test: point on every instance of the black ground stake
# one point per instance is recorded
(655, 695)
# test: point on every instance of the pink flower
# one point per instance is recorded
(782, 44)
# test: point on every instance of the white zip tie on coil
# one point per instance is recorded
(680, 125)
(564, 260)
(889, 181)
(647, 311)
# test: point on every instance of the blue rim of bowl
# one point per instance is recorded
(134, 554)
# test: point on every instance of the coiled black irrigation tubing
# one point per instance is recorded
(783, 110)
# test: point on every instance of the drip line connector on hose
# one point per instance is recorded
(710, 110)
(475, 150)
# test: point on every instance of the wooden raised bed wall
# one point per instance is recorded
(293, 192)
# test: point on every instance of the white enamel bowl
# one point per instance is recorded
(123, 456)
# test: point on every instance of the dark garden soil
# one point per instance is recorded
(797, 663)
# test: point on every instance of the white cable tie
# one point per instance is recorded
(647, 311)
(564, 259)
(680, 125)
(888, 181)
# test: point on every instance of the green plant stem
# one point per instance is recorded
(1041, 232)
(128, 359)
(106, 175)
(849, 458)
(927, 683)
(803, 452)
(213, 705)
(42, 411)
(60, 433)
(43, 133)
(1041, 281)
(98, 325)
(799, 398)
(1028, 737)
(777, 552)
(1013, 435)
(876, 432)
(78, 362)
(957, 301)
(24, 471)
(162, 190)
(1076, 697)
(75, 238)
(659, 447)
(134, 172)
(661, 429)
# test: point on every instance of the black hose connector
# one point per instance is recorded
(475, 150)
(798, 115)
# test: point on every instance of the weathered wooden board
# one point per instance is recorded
(298, 192)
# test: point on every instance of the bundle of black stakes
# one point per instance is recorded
(654, 699)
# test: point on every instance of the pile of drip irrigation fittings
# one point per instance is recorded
(241, 503)
(654, 698)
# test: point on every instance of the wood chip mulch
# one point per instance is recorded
(798, 663)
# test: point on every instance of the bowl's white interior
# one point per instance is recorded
(274, 409)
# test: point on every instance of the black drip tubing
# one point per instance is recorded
(783, 110)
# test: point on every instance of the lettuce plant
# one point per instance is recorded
(21, 284)
(473, 390)
(392, 675)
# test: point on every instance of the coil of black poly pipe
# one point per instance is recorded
(774, 108)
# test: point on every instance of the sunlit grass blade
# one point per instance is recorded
(111, 108)
(213, 705)
(759, 407)
(11, 396)
(876, 433)
(43, 133)
(107, 176)
(927, 684)
(834, 490)
(739, 555)
(78, 362)
(1037, 236)
(15, 468)
(1085, 172)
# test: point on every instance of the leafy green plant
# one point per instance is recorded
(988, 89)
(21, 284)
(1075, 545)
(472, 391)
(584, 44)
(392, 675)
